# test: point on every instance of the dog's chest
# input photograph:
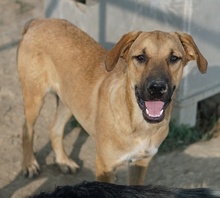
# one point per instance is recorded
(138, 150)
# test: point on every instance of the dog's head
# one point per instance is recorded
(154, 67)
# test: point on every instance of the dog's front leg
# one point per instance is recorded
(104, 171)
(137, 171)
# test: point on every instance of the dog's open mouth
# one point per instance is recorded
(152, 110)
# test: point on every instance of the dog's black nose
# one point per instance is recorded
(157, 88)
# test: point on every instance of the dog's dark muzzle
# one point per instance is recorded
(157, 89)
(153, 98)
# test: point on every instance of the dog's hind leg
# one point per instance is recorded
(137, 171)
(33, 100)
(62, 116)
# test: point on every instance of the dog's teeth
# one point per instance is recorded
(147, 111)
(161, 112)
(154, 115)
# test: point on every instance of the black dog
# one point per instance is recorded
(107, 190)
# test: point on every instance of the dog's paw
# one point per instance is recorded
(68, 166)
(31, 170)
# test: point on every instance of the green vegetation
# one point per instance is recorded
(180, 136)
(73, 122)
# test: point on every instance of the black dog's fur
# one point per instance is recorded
(107, 190)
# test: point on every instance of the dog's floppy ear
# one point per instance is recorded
(120, 50)
(192, 51)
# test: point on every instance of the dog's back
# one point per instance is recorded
(108, 190)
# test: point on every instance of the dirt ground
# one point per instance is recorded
(196, 166)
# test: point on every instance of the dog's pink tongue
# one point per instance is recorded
(153, 108)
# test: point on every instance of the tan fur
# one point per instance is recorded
(97, 87)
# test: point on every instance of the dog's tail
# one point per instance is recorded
(26, 26)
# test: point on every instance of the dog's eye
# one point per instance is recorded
(141, 58)
(174, 59)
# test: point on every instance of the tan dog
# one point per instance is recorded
(122, 97)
